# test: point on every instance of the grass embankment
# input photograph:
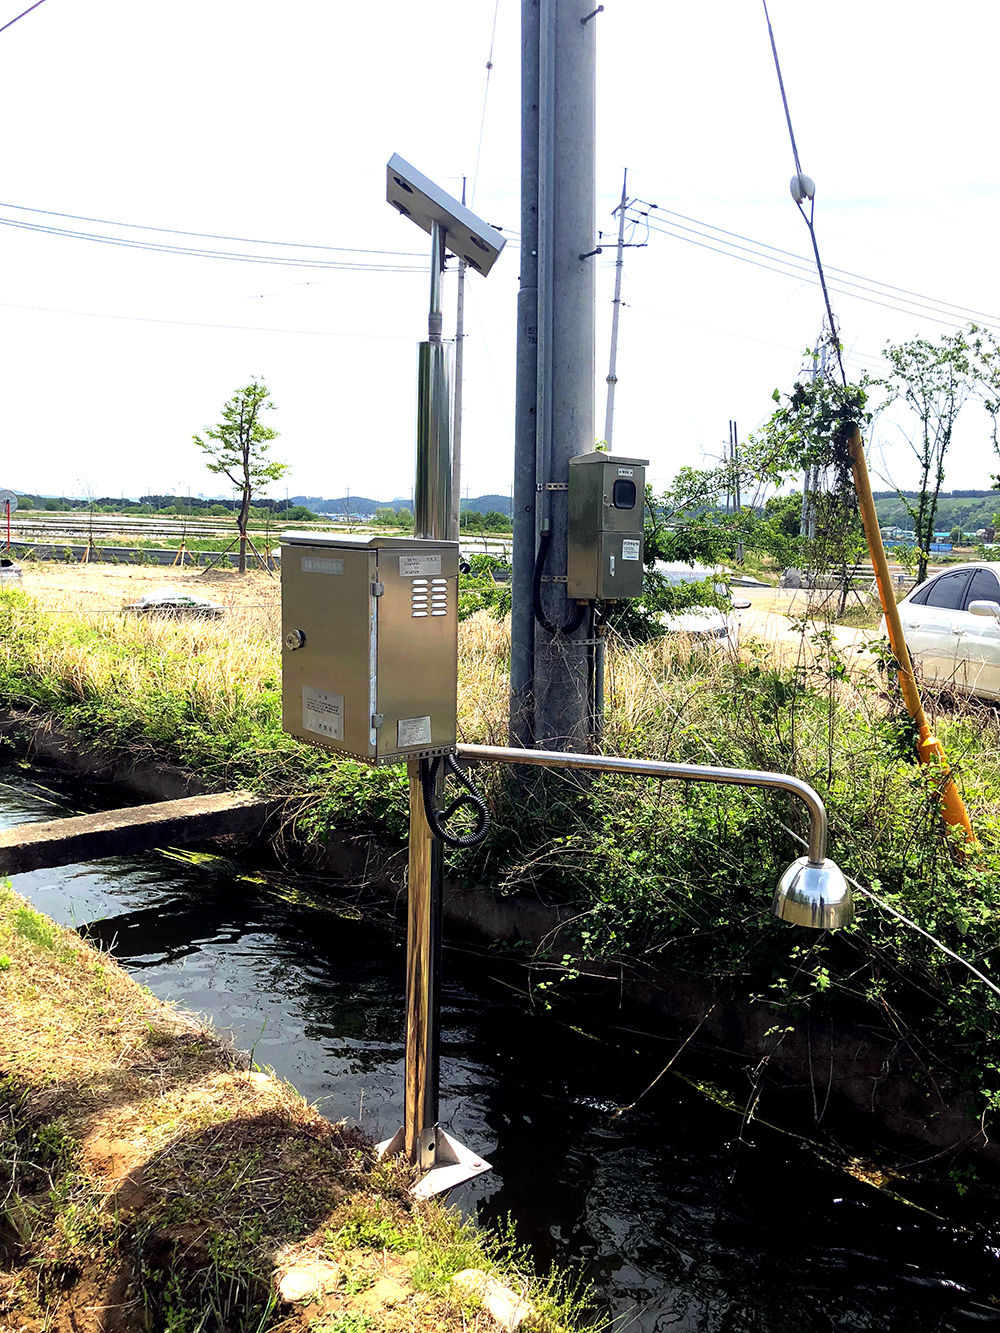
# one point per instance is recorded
(681, 874)
(153, 1181)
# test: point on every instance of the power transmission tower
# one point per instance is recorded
(734, 453)
(554, 406)
(811, 479)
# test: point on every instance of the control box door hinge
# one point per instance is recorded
(378, 589)
(377, 720)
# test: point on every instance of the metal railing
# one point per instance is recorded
(657, 768)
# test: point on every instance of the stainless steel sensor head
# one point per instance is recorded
(815, 894)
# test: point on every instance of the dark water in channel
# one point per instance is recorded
(675, 1226)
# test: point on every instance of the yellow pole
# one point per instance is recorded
(929, 748)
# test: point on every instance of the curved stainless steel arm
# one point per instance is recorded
(656, 768)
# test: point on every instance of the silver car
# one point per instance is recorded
(951, 624)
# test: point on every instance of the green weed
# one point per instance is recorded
(350, 1321)
(34, 928)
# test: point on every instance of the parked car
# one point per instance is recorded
(951, 624)
(706, 626)
(10, 573)
(174, 602)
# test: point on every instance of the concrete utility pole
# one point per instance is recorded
(554, 404)
(609, 411)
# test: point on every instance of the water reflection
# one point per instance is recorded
(677, 1228)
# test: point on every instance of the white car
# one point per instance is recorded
(951, 624)
(172, 602)
(705, 626)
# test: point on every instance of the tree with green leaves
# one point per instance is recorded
(934, 381)
(238, 448)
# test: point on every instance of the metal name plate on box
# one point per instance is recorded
(607, 496)
(369, 629)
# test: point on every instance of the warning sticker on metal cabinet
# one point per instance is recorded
(412, 731)
(413, 566)
(630, 548)
(626, 472)
(323, 713)
(321, 564)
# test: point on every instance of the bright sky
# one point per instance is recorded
(274, 122)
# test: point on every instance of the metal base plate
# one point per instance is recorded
(446, 1162)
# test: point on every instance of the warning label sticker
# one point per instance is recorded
(630, 548)
(413, 566)
(323, 713)
(412, 731)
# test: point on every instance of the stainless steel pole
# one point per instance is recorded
(432, 491)
(431, 518)
(455, 526)
(423, 964)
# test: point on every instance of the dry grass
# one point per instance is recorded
(86, 648)
(484, 679)
(662, 700)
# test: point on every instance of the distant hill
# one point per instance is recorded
(966, 509)
(363, 504)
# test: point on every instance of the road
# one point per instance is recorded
(775, 614)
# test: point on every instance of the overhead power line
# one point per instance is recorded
(209, 235)
(486, 94)
(202, 324)
(843, 272)
(801, 269)
(161, 247)
(14, 20)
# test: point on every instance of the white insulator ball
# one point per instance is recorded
(802, 187)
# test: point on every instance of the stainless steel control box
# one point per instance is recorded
(607, 497)
(369, 630)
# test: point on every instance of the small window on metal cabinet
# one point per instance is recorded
(948, 591)
(983, 588)
(623, 494)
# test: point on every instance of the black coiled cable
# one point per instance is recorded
(576, 619)
(470, 799)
